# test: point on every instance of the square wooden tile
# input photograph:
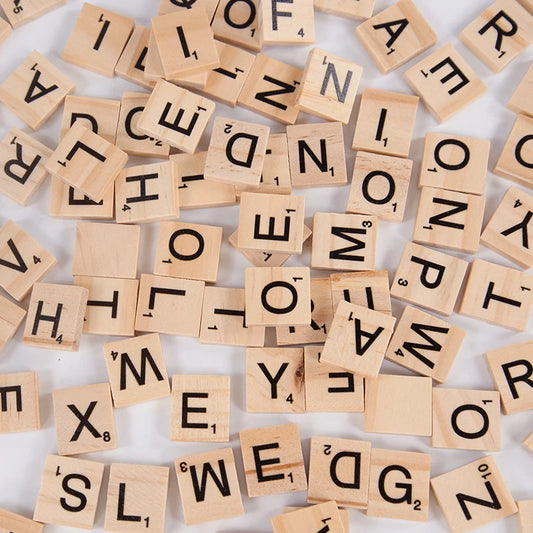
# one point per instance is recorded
(84, 419)
(358, 339)
(97, 39)
(273, 461)
(169, 305)
(398, 404)
(69, 492)
(425, 344)
(200, 408)
(498, 295)
(153, 67)
(277, 296)
(310, 519)
(11, 317)
(270, 89)
(176, 116)
(520, 101)
(528, 443)
(132, 62)
(445, 82)
(32, 9)
(499, 34)
(55, 317)
(236, 22)
(454, 162)
(16, 523)
(136, 369)
(362, 10)
(293, 25)
(399, 485)
(170, 6)
(111, 305)
(22, 160)
(380, 184)
(511, 368)
(19, 402)
(35, 90)
(473, 495)
(203, 502)
(136, 498)
(385, 122)
(344, 242)
(91, 251)
(224, 319)
(525, 515)
(428, 278)
(343, 513)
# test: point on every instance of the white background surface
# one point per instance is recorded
(143, 430)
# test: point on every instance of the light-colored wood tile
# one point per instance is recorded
(19, 402)
(310, 519)
(15, 523)
(11, 317)
(30, 10)
(236, 22)
(525, 515)
(292, 24)
(528, 4)
(132, 62)
(344, 514)
(170, 6)
(361, 10)
(153, 67)
(520, 101)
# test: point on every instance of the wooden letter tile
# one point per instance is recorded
(473, 495)
(11, 317)
(287, 24)
(236, 22)
(15, 523)
(200, 408)
(525, 515)
(521, 102)
(97, 40)
(361, 10)
(136, 370)
(84, 419)
(19, 402)
(31, 10)
(35, 90)
(445, 82)
(343, 513)
(528, 4)
(170, 6)
(69, 492)
(398, 404)
(428, 278)
(218, 496)
(310, 519)
(273, 461)
(385, 122)
(136, 498)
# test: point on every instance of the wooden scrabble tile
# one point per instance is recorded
(473, 495)
(16, 523)
(224, 319)
(98, 114)
(11, 317)
(176, 116)
(499, 34)
(270, 89)
(428, 278)
(273, 461)
(294, 24)
(425, 344)
(30, 10)
(310, 519)
(236, 152)
(507, 232)
(35, 90)
(202, 502)
(344, 242)
(97, 39)
(136, 498)
(316, 155)
(361, 10)
(23, 261)
(236, 22)
(5, 31)
(511, 368)
(129, 385)
(339, 471)
(445, 82)
(399, 485)
(449, 219)
(271, 222)
(22, 160)
(111, 305)
(515, 160)
(153, 67)
(66, 202)
(466, 419)
(94, 241)
(86, 161)
(132, 62)
(454, 162)
(398, 404)
(525, 515)
(396, 35)
(19, 402)
(498, 295)
(189, 251)
(69, 492)
(380, 184)
(170, 6)
(357, 339)
(520, 101)
(528, 443)
(277, 296)
(385, 122)
(367, 289)
(169, 305)
(528, 4)
(200, 408)
(84, 419)
(343, 513)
